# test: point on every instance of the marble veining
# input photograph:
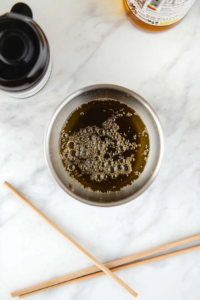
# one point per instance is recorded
(94, 42)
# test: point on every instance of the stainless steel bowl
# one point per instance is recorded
(66, 108)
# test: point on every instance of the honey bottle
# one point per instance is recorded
(157, 15)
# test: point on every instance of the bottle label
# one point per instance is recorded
(160, 12)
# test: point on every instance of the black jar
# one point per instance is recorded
(25, 64)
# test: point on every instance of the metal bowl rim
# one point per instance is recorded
(85, 90)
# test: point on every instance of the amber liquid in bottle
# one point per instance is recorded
(142, 25)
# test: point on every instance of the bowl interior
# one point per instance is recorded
(155, 135)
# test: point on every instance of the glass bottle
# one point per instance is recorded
(157, 15)
(25, 64)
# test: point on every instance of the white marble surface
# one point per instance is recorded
(94, 42)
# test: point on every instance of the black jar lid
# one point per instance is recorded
(24, 50)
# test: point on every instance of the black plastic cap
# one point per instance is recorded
(22, 9)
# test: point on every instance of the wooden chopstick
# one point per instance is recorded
(109, 265)
(72, 241)
(119, 268)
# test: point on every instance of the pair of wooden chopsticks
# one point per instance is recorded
(117, 265)
(95, 272)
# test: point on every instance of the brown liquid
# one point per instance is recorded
(104, 145)
(142, 25)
